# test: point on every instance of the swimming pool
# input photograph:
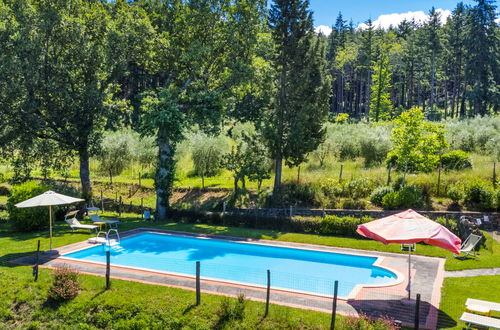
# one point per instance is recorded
(293, 269)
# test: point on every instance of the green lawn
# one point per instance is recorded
(455, 292)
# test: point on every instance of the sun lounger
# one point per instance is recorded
(469, 244)
(111, 223)
(73, 222)
(480, 320)
(492, 306)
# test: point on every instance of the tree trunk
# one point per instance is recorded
(164, 176)
(277, 177)
(110, 177)
(83, 154)
(243, 182)
(236, 184)
(202, 182)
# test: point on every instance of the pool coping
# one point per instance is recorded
(135, 232)
(287, 297)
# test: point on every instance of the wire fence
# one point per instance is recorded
(384, 299)
(388, 303)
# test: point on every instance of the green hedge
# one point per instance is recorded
(31, 218)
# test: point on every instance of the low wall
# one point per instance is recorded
(287, 212)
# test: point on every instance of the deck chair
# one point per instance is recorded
(480, 320)
(469, 244)
(73, 222)
(111, 223)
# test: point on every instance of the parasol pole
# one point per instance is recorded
(50, 225)
(409, 271)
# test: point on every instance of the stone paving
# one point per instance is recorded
(427, 277)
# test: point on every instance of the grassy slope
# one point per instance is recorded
(456, 291)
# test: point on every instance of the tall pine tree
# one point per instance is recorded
(295, 125)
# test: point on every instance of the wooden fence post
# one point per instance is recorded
(37, 261)
(198, 286)
(102, 202)
(268, 293)
(334, 305)
(108, 268)
(341, 170)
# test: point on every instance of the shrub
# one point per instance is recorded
(378, 194)
(329, 225)
(65, 284)
(449, 223)
(303, 194)
(479, 195)
(409, 196)
(358, 188)
(455, 193)
(374, 146)
(230, 312)
(456, 160)
(31, 218)
(354, 204)
(367, 323)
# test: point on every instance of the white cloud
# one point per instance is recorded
(326, 30)
(385, 21)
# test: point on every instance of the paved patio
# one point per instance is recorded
(427, 278)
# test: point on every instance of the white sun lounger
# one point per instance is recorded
(111, 223)
(73, 222)
(492, 306)
(480, 320)
(469, 244)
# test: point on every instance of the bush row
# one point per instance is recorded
(328, 225)
(476, 194)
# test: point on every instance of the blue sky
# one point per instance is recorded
(326, 11)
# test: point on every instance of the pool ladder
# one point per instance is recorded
(106, 240)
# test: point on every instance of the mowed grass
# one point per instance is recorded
(455, 292)
(130, 305)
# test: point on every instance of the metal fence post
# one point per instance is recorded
(417, 312)
(268, 294)
(198, 295)
(108, 261)
(334, 305)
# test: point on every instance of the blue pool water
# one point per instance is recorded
(295, 269)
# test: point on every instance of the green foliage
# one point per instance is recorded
(456, 193)
(479, 195)
(207, 155)
(409, 196)
(354, 204)
(115, 153)
(31, 218)
(358, 188)
(342, 118)
(294, 122)
(65, 284)
(417, 143)
(228, 311)
(375, 146)
(368, 323)
(329, 225)
(378, 194)
(456, 160)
